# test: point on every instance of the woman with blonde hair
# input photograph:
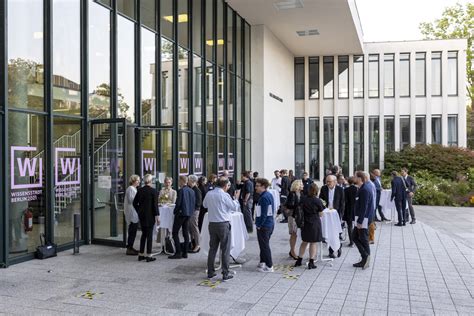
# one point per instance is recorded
(292, 203)
(131, 216)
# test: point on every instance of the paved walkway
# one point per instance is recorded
(415, 270)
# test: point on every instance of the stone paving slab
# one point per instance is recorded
(415, 270)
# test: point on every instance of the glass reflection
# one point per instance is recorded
(210, 98)
(148, 79)
(231, 103)
(148, 13)
(197, 26)
(344, 144)
(66, 57)
(125, 69)
(166, 153)
(183, 18)
(328, 142)
(358, 143)
(230, 39)
(167, 87)
(183, 154)
(197, 94)
(126, 7)
(238, 45)
(247, 51)
(210, 40)
(220, 32)
(183, 76)
(25, 54)
(239, 107)
(167, 18)
(220, 102)
(328, 77)
(247, 110)
(211, 155)
(373, 143)
(99, 61)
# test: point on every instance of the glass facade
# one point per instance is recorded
(374, 135)
(343, 70)
(161, 96)
(420, 74)
(358, 76)
(389, 129)
(405, 136)
(436, 135)
(358, 143)
(452, 130)
(420, 130)
(389, 75)
(404, 75)
(436, 73)
(314, 159)
(374, 76)
(328, 77)
(328, 142)
(299, 78)
(299, 146)
(314, 77)
(452, 73)
(344, 144)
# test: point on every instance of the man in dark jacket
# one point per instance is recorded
(410, 188)
(399, 194)
(363, 213)
(194, 220)
(333, 196)
(285, 186)
(184, 209)
(350, 194)
(307, 181)
(146, 204)
(246, 200)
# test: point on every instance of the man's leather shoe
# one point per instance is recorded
(212, 275)
(339, 252)
(398, 224)
(358, 264)
(413, 221)
(150, 259)
(331, 255)
(131, 252)
(404, 224)
(175, 256)
(141, 258)
(366, 263)
(184, 256)
(377, 220)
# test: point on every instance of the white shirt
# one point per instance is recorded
(276, 184)
(131, 215)
(331, 197)
(219, 205)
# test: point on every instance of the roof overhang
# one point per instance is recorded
(337, 22)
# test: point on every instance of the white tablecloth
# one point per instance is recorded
(386, 204)
(167, 216)
(276, 199)
(331, 228)
(238, 234)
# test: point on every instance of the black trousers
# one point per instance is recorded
(349, 230)
(181, 222)
(379, 208)
(132, 234)
(247, 213)
(263, 236)
(361, 239)
(400, 206)
(201, 217)
(147, 237)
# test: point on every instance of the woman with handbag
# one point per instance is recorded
(311, 233)
(292, 202)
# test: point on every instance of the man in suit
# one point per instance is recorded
(350, 194)
(285, 186)
(364, 212)
(399, 195)
(307, 181)
(146, 204)
(378, 188)
(410, 188)
(184, 209)
(333, 196)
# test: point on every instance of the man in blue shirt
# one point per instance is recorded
(264, 222)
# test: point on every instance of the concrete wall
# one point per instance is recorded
(272, 120)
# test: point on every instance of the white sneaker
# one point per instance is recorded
(265, 269)
(261, 265)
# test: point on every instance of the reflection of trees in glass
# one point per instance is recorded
(23, 75)
(99, 102)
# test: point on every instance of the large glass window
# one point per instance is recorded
(343, 69)
(299, 78)
(373, 76)
(344, 144)
(359, 76)
(183, 75)
(374, 134)
(358, 143)
(239, 108)
(210, 98)
(436, 136)
(328, 142)
(210, 40)
(197, 26)
(67, 176)
(436, 73)
(166, 153)
(220, 32)
(183, 154)
(197, 94)
(299, 147)
(314, 77)
(420, 68)
(126, 7)
(247, 110)
(25, 54)
(314, 160)
(211, 166)
(452, 130)
(66, 57)
(404, 131)
(148, 94)
(328, 77)
(247, 51)
(125, 69)
(99, 61)
(420, 130)
(389, 75)
(220, 102)
(452, 73)
(230, 39)
(148, 13)
(231, 104)
(167, 86)
(167, 18)
(404, 81)
(198, 167)
(26, 135)
(183, 18)
(389, 132)
(238, 45)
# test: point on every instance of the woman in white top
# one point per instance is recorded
(131, 216)
(167, 193)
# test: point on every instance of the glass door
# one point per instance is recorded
(108, 180)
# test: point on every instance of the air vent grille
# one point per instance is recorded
(308, 32)
(288, 5)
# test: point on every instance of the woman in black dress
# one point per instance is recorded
(311, 232)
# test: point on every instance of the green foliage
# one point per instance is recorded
(450, 163)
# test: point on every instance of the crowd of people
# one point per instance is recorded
(302, 203)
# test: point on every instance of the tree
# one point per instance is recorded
(457, 22)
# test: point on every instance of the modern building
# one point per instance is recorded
(83, 107)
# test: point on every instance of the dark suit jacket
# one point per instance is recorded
(364, 206)
(185, 202)
(146, 204)
(285, 186)
(398, 189)
(350, 194)
(198, 196)
(410, 184)
(293, 201)
(306, 184)
(338, 203)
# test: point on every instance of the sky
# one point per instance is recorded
(396, 20)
